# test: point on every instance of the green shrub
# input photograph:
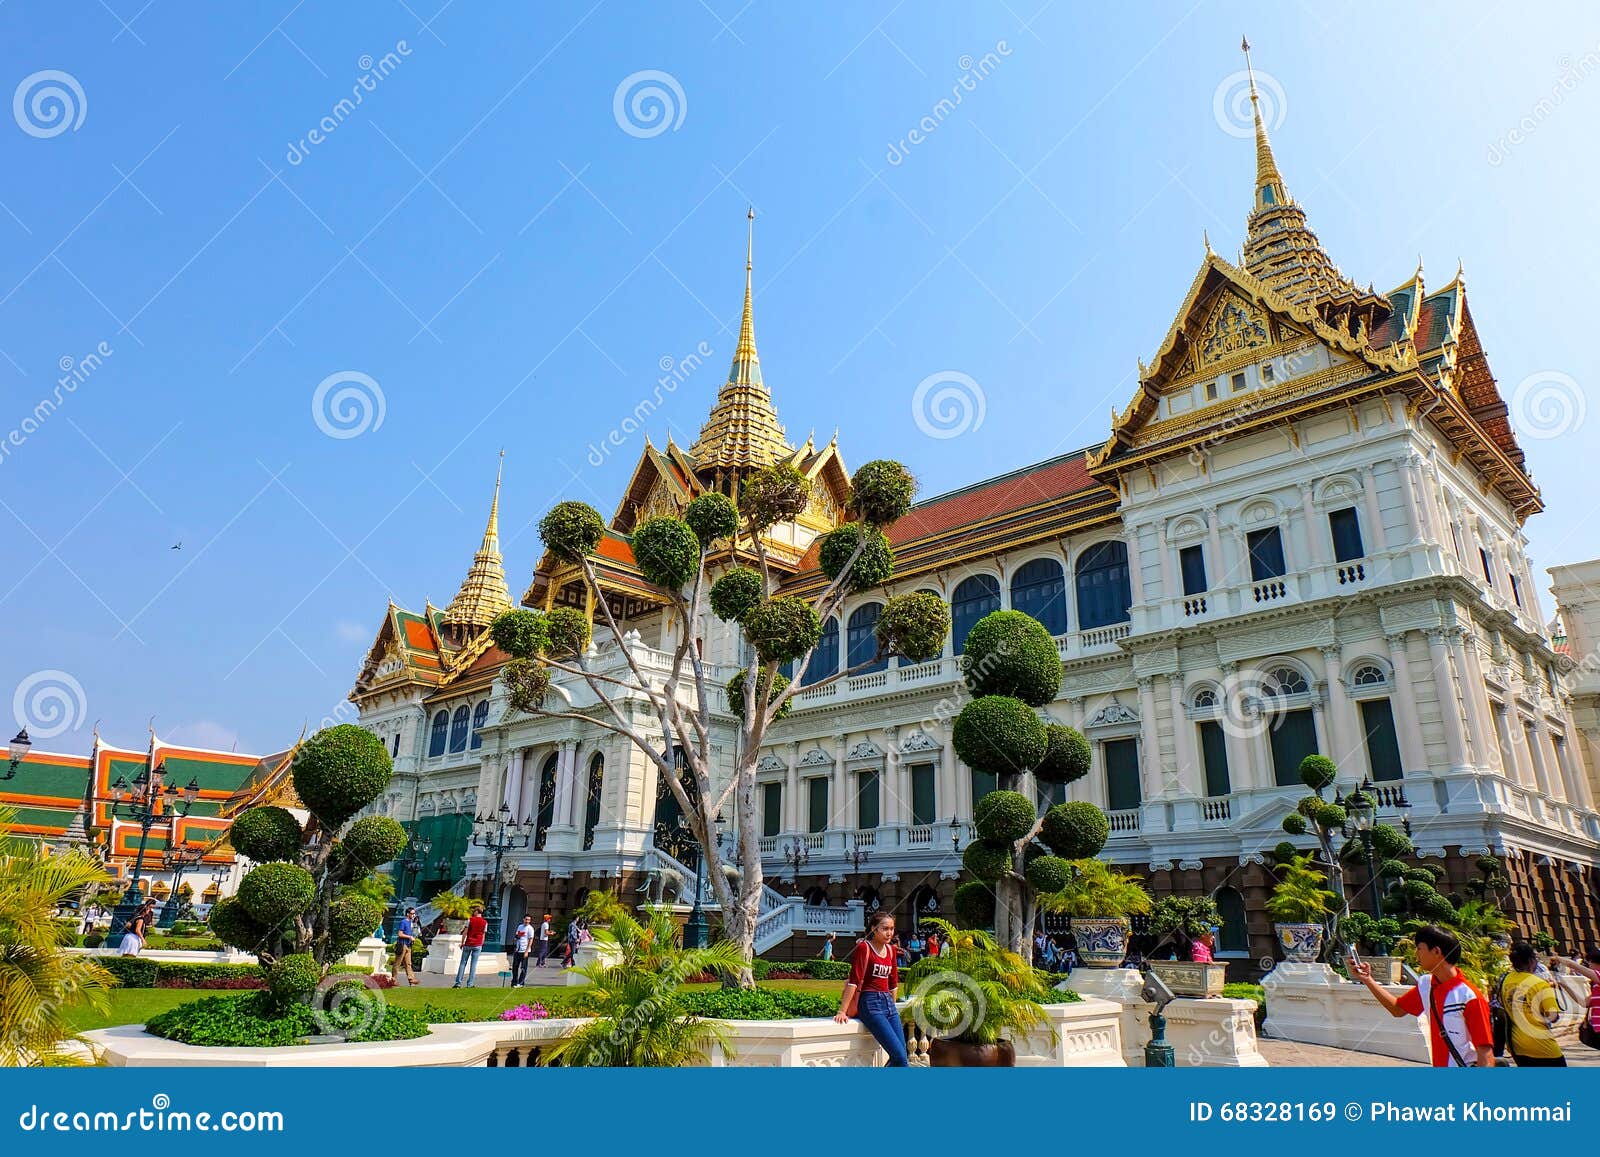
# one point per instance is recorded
(736, 593)
(140, 972)
(572, 530)
(255, 1020)
(131, 971)
(1003, 816)
(782, 629)
(339, 771)
(1010, 653)
(757, 1004)
(370, 841)
(232, 924)
(881, 491)
(522, 634)
(265, 834)
(1075, 830)
(712, 516)
(1318, 772)
(987, 860)
(1000, 735)
(569, 630)
(527, 682)
(1390, 842)
(1067, 755)
(293, 977)
(913, 625)
(974, 904)
(1295, 824)
(667, 552)
(735, 689)
(1049, 873)
(827, 969)
(774, 494)
(874, 567)
(351, 919)
(275, 893)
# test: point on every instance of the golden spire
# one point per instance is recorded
(483, 594)
(742, 429)
(1270, 189)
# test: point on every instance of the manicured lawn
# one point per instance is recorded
(137, 1005)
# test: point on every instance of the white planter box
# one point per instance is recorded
(1314, 1004)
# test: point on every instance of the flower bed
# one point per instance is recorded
(254, 1021)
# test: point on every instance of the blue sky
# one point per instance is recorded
(508, 262)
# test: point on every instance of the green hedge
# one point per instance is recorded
(138, 972)
(815, 969)
(758, 1003)
(254, 1021)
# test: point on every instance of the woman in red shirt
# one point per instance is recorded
(869, 993)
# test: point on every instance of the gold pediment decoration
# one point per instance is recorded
(1233, 327)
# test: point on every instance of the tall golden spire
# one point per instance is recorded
(742, 430)
(483, 594)
(1280, 248)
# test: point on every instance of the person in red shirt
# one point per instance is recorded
(1458, 1015)
(471, 945)
(869, 992)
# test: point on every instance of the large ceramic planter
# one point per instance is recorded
(950, 1054)
(1102, 940)
(1301, 943)
(1187, 978)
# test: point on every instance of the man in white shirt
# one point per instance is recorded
(521, 948)
(544, 939)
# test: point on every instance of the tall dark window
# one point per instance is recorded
(460, 724)
(1266, 554)
(1122, 774)
(1346, 528)
(862, 640)
(1516, 590)
(1488, 567)
(771, 808)
(867, 789)
(546, 814)
(441, 730)
(817, 804)
(923, 802)
(1192, 562)
(1214, 754)
(1039, 588)
(480, 716)
(1104, 595)
(825, 658)
(983, 782)
(1294, 736)
(591, 802)
(1235, 936)
(975, 597)
(1383, 742)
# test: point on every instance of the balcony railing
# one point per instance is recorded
(1216, 808)
(1124, 823)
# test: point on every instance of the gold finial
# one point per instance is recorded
(483, 594)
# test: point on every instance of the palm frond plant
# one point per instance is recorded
(639, 1020)
(1481, 918)
(975, 991)
(1095, 890)
(1299, 897)
(39, 982)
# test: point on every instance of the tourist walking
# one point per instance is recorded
(1459, 1035)
(133, 936)
(827, 946)
(1589, 969)
(934, 946)
(405, 938)
(869, 992)
(544, 940)
(1531, 1011)
(521, 949)
(571, 946)
(471, 946)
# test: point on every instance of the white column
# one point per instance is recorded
(1311, 535)
(791, 791)
(560, 818)
(1079, 789)
(1170, 587)
(513, 794)
(838, 793)
(1449, 702)
(1532, 735)
(1243, 773)
(1419, 524)
(1217, 573)
(1476, 692)
(1376, 540)
(945, 801)
(1149, 744)
(1404, 702)
(1191, 777)
(1344, 742)
(1559, 787)
(1136, 563)
(1517, 731)
(891, 785)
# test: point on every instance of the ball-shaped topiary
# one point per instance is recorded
(231, 924)
(1295, 824)
(370, 841)
(1420, 876)
(1488, 865)
(667, 551)
(1390, 842)
(1318, 772)
(264, 834)
(712, 516)
(293, 977)
(351, 919)
(782, 629)
(1000, 735)
(527, 681)
(1010, 653)
(1322, 813)
(1049, 873)
(1067, 758)
(275, 893)
(339, 771)
(873, 567)
(1435, 908)
(572, 530)
(1003, 816)
(987, 860)
(1075, 830)
(735, 689)
(569, 630)
(774, 494)
(974, 904)
(881, 491)
(913, 625)
(736, 593)
(1284, 851)
(522, 634)
(1392, 869)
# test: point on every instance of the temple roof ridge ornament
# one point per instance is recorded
(484, 593)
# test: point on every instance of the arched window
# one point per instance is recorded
(441, 728)
(1234, 937)
(546, 814)
(825, 659)
(591, 807)
(480, 716)
(459, 724)
(1102, 581)
(1205, 698)
(975, 597)
(1369, 675)
(861, 640)
(1039, 588)
(1286, 681)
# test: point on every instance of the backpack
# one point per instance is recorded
(1499, 1017)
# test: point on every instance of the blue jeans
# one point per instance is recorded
(877, 1012)
(472, 973)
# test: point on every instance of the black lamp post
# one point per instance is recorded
(1362, 813)
(499, 833)
(143, 802)
(955, 834)
(796, 855)
(697, 929)
(857, 855)
(176, 860)
(20, 746)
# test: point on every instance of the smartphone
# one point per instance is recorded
(1352, 956)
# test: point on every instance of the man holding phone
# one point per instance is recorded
(1458, 1015)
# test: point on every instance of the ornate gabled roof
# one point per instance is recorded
(742, 431)
(406, 650)
(483, 594)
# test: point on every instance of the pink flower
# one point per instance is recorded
(526, 1012)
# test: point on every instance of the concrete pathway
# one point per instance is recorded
(1292, 1054)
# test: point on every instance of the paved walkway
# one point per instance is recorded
(1293, 1054)
(489, 975)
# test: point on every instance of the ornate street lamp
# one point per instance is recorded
(955, 834)
(857, 855)
(697, 929)
(144, 802)
(499, 833)
(796, 855)
(177, 860)
(20, 746)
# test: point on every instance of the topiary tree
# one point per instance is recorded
(1325, 821)
(1013, 667)
(305, 904)
(714, 555)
